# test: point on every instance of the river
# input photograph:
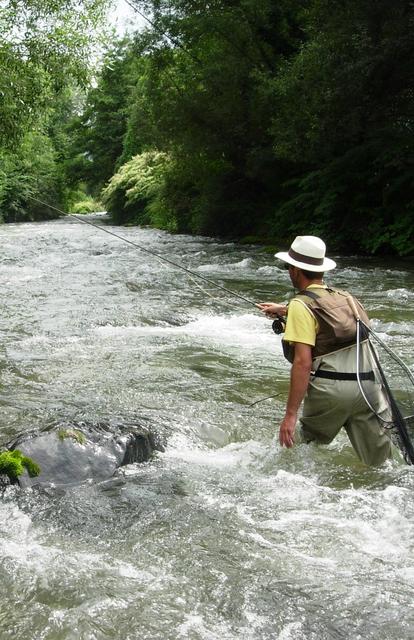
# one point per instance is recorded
(224, 535)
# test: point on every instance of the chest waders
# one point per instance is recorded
(346, 324)
(336, 327)
(398, 425)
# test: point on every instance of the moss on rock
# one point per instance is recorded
(13, 464)
(75, 434)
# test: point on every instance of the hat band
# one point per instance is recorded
(300, 257)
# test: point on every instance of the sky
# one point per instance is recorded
(124, 18)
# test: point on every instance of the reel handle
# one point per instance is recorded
(353, 306)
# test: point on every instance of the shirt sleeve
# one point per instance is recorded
(301, 324)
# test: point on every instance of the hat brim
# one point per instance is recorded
(327, 264)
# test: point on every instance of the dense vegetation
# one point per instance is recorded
(261, 119)
(45, 47)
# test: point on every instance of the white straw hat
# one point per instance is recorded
(307, 252)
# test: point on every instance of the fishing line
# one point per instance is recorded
(173, 40)
(275, 395)
(390, 352)
(192, 274)
(195, 58)
(210, 295)
(148, 251)
(398, 420)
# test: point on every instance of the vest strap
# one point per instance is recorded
(311, 294)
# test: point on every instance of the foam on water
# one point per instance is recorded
(245, 331)
(292, 631)
(386, 330)
(231, 455)
(400, 294)
(246, 263)
(14, 276)
(273, 271)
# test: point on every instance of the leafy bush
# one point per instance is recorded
(88, 205)
(134, 193)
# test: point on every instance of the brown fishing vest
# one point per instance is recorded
(337, 323)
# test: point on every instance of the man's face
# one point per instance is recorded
(293, 273)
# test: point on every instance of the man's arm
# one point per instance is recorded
(299, 380)
(272, 309)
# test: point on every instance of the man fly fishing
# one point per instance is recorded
(327, 348)
(329, 360)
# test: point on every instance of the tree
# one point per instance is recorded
(351, 132)
(205, 88)
(28, 174)
(43, 43)
(97, 133)
(277, 118)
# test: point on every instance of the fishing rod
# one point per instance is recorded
(148, 251)
(399, 420)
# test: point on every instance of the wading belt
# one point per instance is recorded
(334, 375)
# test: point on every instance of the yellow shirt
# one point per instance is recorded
(301, 324)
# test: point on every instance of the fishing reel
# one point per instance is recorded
(278, 325)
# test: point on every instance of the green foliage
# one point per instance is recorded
(227, 118)
(350, 132)
(207, 101)
(87, 205)
(137, 185)
(346, 203)
(258, 119)
(44, 52)
(43, 44)
(13, 464)
(96, 135)
(30, 171)
(349, 83)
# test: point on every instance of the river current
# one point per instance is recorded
(224, 535)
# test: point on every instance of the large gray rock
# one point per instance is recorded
(71, 453)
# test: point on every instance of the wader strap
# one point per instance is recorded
(334, 375)
(311, 294)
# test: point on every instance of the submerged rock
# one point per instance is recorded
(4, 481)
(71, 453)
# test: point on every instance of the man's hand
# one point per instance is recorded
(299, 380)
(272, 309)
(287, 431)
